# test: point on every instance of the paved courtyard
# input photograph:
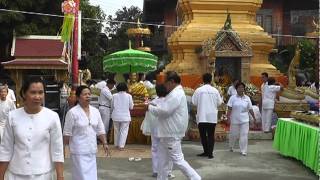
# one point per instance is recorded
(262, 163)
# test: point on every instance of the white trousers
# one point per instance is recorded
(84, 167)
(241, 130)
(155, 141)
(105, 116)
(266, 117)
(11, 176)
(170, 150)
(121, 129)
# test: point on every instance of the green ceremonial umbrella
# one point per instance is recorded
(130, 61)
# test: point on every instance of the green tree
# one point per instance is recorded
(117, 32)
(308, 59)
(93, 41)
(25, 24)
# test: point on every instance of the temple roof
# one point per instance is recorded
(37, 52)
(35, 64)
(37, 46)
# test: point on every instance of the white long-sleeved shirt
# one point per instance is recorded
(105, 97)
(269, 96)
(5, 107)
(172, 114)
(11, 95)
(32, 142)
(207, 99)
(148, 84)
(121, 105)
(240, 108)
(154, 124)
(263, 85)
(232, 91)
(83, 130)
(102, 84)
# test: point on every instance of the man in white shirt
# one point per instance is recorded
(207, 99)
(232, 90)
(172, 125)
(264, 77)
(102, 84)
(104, 101)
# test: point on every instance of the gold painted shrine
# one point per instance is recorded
(203, 19)
(44, 56)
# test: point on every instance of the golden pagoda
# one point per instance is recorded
(138, 33)
(203, 19)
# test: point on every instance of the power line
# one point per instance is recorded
(135, 23)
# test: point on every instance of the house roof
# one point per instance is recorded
(37, 46)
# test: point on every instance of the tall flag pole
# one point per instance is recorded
(75, 48)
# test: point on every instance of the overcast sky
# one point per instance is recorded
(111, 6)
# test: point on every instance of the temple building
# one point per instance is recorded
(43, 56)
(256, 22)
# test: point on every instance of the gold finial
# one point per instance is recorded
(138, 23)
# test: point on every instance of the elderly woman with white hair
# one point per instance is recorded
(6, 105)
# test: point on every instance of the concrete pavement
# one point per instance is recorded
(262, 163)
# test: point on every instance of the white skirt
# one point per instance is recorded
(84, 167)
(46, 176)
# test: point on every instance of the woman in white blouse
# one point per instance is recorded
(270, 91)
(82, 126)
(239, 106)
(121, 105)
(6, 105)
(32, 144)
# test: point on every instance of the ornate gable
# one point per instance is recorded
(227, 43)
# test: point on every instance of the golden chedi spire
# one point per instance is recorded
(202, 19)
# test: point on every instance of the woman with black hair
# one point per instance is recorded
(32, 144)
(268, 100)
(121, 105)
(239, 107)
(158, 101)
(82, 126)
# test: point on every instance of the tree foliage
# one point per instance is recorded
(25, 24)
(117, 32)
(93, 41)
(308, 58)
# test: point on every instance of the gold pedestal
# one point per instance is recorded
(284, 109)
